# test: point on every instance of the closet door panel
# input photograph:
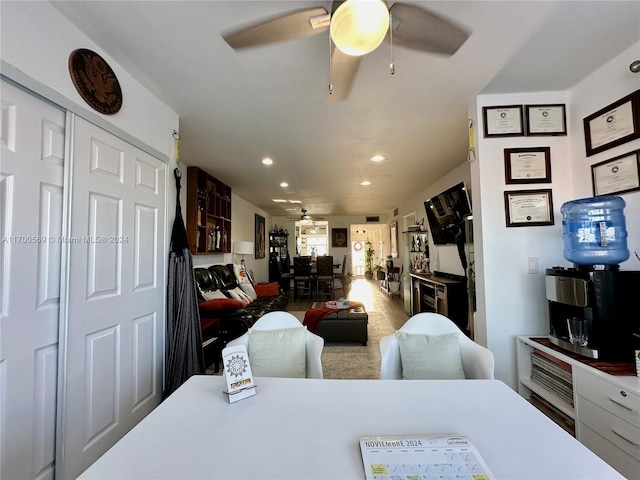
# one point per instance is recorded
(32, 151)
(113, 347)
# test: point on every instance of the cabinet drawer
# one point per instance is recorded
(618, 459)
(617, 431)
(621, 402)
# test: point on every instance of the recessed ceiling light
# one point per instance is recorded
(295, 201)
(267, 161)
(378, 158)
(279, 200)
(284, 184)
(366, 183)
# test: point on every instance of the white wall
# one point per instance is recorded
(243, 228)
(443, 258)
(610, 83)
(512, 302)
(37, 40)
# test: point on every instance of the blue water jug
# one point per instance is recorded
(594, 231)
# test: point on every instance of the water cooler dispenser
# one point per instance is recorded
(594, 307)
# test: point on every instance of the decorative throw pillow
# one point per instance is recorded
(430, 356)
(239, 294)
(222, 304)
(278, 353)
(243, 280)
(267, 290)
(213, 294)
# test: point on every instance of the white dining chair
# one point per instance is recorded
(281, 346)
(477, 361)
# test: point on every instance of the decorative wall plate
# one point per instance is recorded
(95, 81)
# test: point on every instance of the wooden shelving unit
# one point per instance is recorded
(208, 213)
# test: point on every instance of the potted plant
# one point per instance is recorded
(377, 269)
(369, 252)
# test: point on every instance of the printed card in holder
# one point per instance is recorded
(428, 456)
(237, 372)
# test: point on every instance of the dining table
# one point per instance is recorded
(310, 429)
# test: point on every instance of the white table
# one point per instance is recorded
(309, 429)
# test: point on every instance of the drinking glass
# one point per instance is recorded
(578, 331)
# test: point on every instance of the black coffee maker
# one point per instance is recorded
(604, 304)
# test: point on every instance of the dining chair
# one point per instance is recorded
(338, 277)
(434, 347)
(278, 345)
(324, 276)
(302, 281)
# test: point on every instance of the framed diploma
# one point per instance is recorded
(527, 165)
(618, 175)
(503, 121)
(546, 119)
(528, 208)
(614, 125)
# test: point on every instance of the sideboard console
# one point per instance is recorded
(440, 293)
(600, 409)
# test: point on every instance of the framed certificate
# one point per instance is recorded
(614, 125)
(546, 119)
(503, 121)
(528, 208)
(527, 165)
(618, 175)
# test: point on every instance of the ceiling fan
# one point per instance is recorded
(305, 218)
(356, 27)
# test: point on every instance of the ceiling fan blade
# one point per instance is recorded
(419, 29)
(343, 70)
(291, 25)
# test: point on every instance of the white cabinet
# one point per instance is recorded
(605, 408)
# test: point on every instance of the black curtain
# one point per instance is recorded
(184, 337)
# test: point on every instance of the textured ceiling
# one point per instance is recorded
(237, 107)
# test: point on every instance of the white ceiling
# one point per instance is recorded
(237, 107)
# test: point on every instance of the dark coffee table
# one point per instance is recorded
(344, 325)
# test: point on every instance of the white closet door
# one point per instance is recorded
(113, 344)
(31, 177)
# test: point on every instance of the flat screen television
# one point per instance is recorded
(446, 213)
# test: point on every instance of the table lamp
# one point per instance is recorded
(242, 248)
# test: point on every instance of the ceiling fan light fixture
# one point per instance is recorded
(359, 26)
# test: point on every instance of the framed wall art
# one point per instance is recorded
(505, 121)
(338, 238)
(617, 175)
(527, 165)
(526, 208)
(545, 119)
(613, 125)
(260, 237)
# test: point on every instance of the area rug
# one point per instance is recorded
(351, 360)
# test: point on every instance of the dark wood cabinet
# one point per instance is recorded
(208, 213)
(441, 293)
